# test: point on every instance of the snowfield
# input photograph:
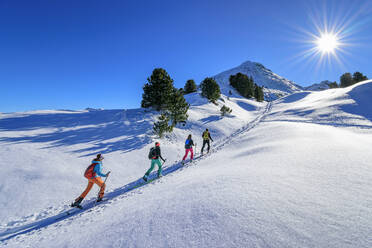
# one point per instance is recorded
(292, 173)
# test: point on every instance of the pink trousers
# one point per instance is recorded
(187, 152)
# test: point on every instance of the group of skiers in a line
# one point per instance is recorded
(94, 171)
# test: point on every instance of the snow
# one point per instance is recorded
(324, 85)
(274, 85)
(292, 173)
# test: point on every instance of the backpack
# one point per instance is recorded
(89, 172)
(187, 144)
(206, 135)
(152, 153)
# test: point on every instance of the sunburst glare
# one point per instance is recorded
(327, 43)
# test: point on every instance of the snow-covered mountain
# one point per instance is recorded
(295, 172)
(324, 85)
(275, 85)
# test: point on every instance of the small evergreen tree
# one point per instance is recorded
(190, 86)
(157, 91)
(346, 80)
(258, 93)
(358, 77)
(210, 89)
(225, 110)
(162, 126)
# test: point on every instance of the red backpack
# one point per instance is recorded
(89, 172)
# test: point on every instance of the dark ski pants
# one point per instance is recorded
(205, 142)
(153, 162)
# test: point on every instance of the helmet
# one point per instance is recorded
(157, 144)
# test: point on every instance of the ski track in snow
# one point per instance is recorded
(67, 212)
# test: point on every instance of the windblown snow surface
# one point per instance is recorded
(292, 173)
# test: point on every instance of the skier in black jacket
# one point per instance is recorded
(155, 159)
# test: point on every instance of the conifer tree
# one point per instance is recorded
(358, 77)
(225, 110)
(333, 85)
(210, 89)
(190, 86)
(258, 93)
(157, 91)
(242, 84)
(162, 125)
(346, 80)
(177, 108)
(160, 94)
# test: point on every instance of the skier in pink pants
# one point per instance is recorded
(188, 146)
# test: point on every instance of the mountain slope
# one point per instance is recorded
(290, 176)
(274, 84)
(49, 150)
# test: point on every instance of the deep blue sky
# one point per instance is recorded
(73, 54)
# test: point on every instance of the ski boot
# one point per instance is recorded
(77, 203)
(99, 199)
(145, 178)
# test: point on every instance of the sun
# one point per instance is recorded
(327, 43)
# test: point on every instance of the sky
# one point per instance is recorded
(68, 54)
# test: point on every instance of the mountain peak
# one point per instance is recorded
(274, 85)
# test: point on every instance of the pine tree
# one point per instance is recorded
(190, 86)
(157, 91)
(346, 80)
(242, 84)
(225, 110)
(177, 108)
(160, 94)
(258, 93)
(251, 87)
(162, 126)
(210, 89)
(359, 77)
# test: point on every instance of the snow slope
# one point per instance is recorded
(275, 85)
(295, 173)
(49, 150)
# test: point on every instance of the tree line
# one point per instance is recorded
(347, 79)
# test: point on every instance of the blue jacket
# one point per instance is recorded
(98, 168)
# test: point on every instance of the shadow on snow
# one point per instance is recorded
(104, 130)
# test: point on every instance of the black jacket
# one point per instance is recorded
(158, 153)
